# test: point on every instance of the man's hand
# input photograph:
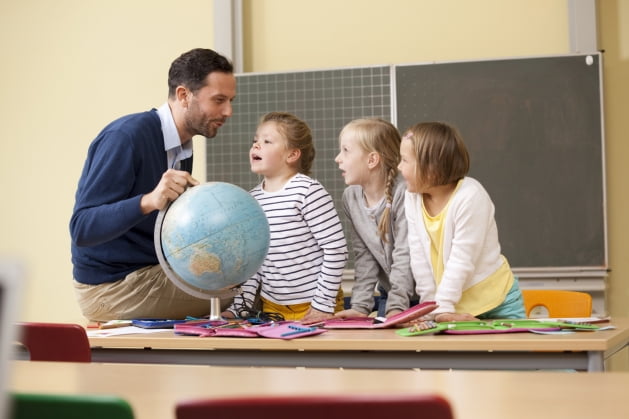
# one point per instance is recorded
(172, 184)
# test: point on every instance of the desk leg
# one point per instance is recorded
(596, 363)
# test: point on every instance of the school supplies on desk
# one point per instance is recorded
(225, 327)
(287, 330)
(405, 316)
(112, 324)
(156, 323)
(587, 320)
(493, 326)
(211, 328)
(278, 330)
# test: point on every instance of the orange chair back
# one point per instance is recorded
(558, 303)
(317, 407)
(55, 341)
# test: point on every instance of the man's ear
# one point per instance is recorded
(373, 159)
(293, 155)
(183, 96)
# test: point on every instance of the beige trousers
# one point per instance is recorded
(145, 293)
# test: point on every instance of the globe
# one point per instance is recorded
(211, 239)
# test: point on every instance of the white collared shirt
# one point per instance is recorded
(172, 143)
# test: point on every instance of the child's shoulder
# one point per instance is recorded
(356, 191)
(471, 189)
(300, 177)
(353, 192)
(306, 183)
(471, 185)
(400, 185)
(302, 180)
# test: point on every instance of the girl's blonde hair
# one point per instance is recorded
(442, 157)
(298, 136)
(379, 136)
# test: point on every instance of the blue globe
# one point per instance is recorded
(212, 238)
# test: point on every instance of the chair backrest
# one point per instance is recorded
(55, 341)
(316, 407)
(52, 406)
(558, 303)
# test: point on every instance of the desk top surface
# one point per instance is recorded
(153, 390)
(384, 340)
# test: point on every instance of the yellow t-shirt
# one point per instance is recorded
(487, 294)
(479, 298)
(434, 227)
(297, 311)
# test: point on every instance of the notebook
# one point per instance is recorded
(11, 278)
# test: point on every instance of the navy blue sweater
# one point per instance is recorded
(110, 236)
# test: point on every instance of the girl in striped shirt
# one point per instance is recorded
(301, 275)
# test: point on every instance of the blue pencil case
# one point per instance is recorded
(156, 323)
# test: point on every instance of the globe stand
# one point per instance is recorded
(215, 309)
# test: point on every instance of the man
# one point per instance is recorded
(134, 168)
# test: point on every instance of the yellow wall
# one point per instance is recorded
(68, 67)
(303, 34)
(71, 66)
(614, 39)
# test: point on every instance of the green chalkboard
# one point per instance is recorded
(533, 129)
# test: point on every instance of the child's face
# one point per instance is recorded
(408, 165)
(269, 152)
(352, 160)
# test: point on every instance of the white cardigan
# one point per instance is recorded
(470, 239)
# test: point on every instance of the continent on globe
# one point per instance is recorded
(204, 262)
(212, 238)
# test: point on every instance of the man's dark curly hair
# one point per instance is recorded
(191, 68)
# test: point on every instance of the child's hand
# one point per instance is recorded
(315, 316)
(454, 317)
(349, 313)
(411, 323)
(227, 315)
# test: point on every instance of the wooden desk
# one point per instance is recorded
(373, 349)
(153, 390)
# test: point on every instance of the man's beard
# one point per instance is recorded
(203, 127)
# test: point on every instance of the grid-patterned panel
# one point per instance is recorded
(326, 100)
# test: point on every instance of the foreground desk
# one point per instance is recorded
(373, 349)
(153, 390)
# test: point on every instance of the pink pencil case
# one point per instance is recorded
(282, 330)
(208, 330)
(287, 330)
